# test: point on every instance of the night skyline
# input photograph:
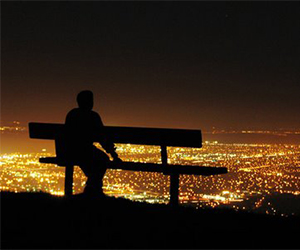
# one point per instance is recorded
(153, 64)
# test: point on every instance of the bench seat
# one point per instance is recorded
(149, 167)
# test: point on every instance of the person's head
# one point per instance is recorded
(85, 99)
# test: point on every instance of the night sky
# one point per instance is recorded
(191, 65)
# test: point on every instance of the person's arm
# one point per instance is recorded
(105, 142)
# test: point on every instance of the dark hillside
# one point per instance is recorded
(38, 220)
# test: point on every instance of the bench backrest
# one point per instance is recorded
(132, 135)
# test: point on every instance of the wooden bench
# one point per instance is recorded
(133, 135)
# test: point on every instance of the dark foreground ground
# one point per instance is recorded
(38, 220)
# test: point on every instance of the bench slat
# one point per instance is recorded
(132, 135)
(152, 167)
(47, 131)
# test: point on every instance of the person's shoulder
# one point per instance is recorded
(73, 111)
(95, 114)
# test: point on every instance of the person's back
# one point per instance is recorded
(82, 126)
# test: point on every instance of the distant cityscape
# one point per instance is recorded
(16, 126)
(280, 132)
(257, 173)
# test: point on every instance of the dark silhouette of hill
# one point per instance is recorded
(39, 220)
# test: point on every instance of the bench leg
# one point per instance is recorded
(174, 189)
(69, 180)
(174, 178)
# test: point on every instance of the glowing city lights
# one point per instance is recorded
(255, 171)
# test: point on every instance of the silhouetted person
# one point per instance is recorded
(82, 125)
